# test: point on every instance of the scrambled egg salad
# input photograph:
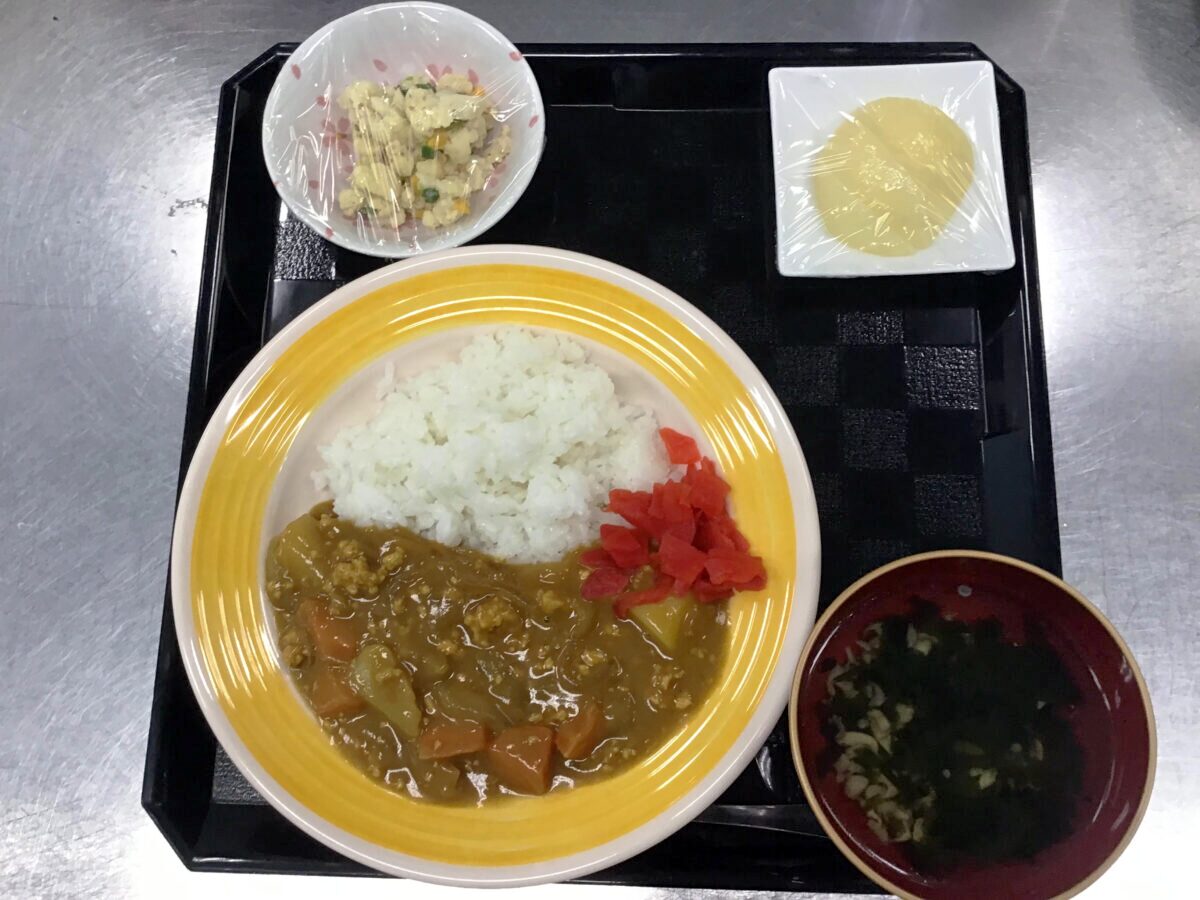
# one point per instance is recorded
(421, 148)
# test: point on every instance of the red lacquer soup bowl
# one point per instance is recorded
(1112, 721)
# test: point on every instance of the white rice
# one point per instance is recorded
(511, 450)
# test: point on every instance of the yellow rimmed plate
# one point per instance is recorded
(251, 473)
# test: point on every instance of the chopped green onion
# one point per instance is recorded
(427, 152)
(430, 195)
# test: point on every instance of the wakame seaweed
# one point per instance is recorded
(954, 740)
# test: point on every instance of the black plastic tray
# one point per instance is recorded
(920, 401)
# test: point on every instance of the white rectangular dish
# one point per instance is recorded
(807, 106)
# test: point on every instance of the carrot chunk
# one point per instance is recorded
(444, 740)
(579, 735)
(331, 694)
(334, 638)
(520, 757)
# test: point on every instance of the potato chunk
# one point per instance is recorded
(379, 679)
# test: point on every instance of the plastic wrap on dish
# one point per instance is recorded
(402, 129)
(888, 170)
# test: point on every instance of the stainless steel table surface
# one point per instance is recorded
(107, 109)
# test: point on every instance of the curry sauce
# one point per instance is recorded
(452, 676)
